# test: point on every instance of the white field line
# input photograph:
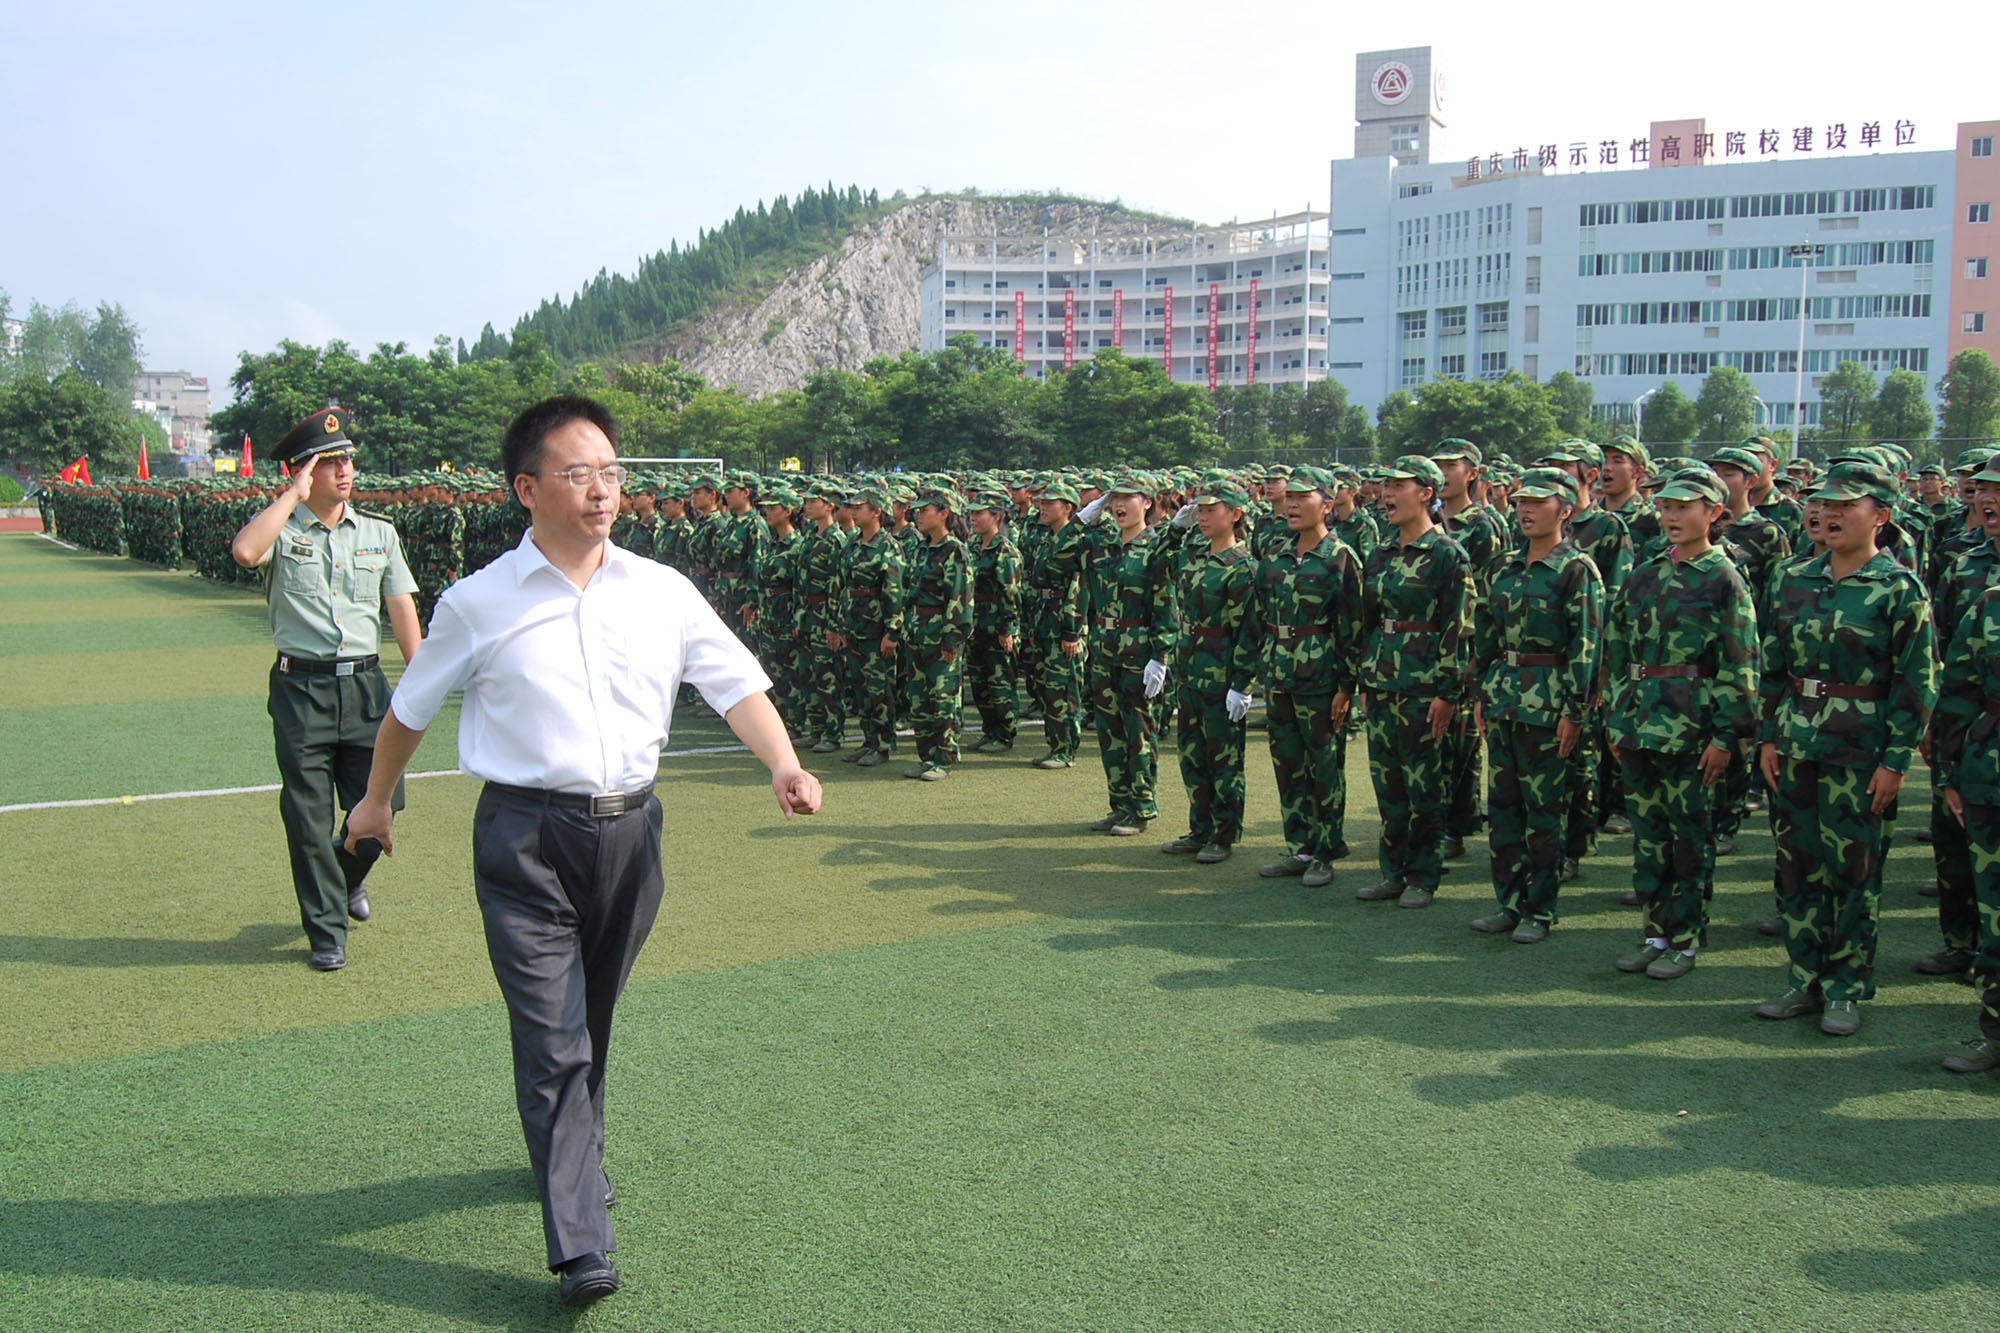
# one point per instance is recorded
(57, 540)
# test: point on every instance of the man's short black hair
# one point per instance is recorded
(521, 449)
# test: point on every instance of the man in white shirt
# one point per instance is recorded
(570, 652)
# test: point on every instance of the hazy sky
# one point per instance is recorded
(236, 173)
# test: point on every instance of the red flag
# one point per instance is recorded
(83, 470)
(246, 467)
(145, 473)
(284, 470)
(68, 474)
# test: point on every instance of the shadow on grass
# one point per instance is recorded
(262, 943)
(1948, 1250)
(283, 1243)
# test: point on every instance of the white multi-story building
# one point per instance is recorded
(1228, 305)
(179, 402)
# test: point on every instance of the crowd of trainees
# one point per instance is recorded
(1625, 646)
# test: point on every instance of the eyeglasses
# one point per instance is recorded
(583, 474)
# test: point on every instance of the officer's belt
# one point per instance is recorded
(1286, 633)
(1107, 622)
(1676, 671)
(1411, 626)
(602, 805)
(1818, 689)
(1514, 659)
(306, 666)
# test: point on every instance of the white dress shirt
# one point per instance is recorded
(571, 689)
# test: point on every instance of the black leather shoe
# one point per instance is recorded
(328, 960)
(357, 903)
(587, 1278)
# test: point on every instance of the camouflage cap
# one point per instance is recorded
(1761, 444)
(1221, 493)
(1737, 456)
(1417, 468)
(1132, 482)
(1698, 483)
(1277, 472)
(1346, 477)
(1457, 448)
(1974, 458)
(1989, 474)
(1563, 451)
(1305, 480)
(781, 495)
(702, 481)
(976, 501)
(940, 496)
(1931, 470)
(740, 480)
(1630, 446)
(875, 497)
(1058, 489)
(1857, 480)
(1543, 483)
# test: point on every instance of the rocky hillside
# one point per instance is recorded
(859, 302)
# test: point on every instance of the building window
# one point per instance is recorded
(1979, 212)
(1415, 324)
(1349, 277)
(1413, 371)
(949, 283)
(1531, 324)
(1451, 320)
(1975, 321)
(1451, 367)
(1531, 366)
(1493, 318)
(1983, 146)
(1492, 365)
(1975, 268)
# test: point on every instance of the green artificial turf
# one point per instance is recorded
(940, 1059)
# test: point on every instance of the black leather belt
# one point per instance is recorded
(306, 666)
(1515, 659)
(1819, 689)
(602, 805)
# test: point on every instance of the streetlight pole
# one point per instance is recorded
(1763, 415)
(1639, 415)
(1806, 254)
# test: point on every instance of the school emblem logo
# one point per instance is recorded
(1391, 83)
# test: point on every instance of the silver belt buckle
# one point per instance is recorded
(1638, 672)
(284, 665)
(1812, 689)
(606, 804)
(343, 668)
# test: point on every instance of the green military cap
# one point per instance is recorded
(740, 480)
(1058, 489)
(1736, 455)
(1988, 473)
(1974, 458)
(1931, 470)
(779, 494)
(1345, 476)
(1857, 480)
(1307, 479)
(1632, 449)
(1542, 483)
(1221, 493)
(701, 481)
(321, 435)
(1132, 482)
(1277, 472)
(1760, 444)
(941, 496)
(1896, 451)
(995, 500)
(1872, 455)
(1562, 451)
(1457, 448)
(875, 497)
(1417, 468)
(1693, 483)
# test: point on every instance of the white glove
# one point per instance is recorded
(1156, 678)
(1184, 516)
(1089, 513)
(1239, 705)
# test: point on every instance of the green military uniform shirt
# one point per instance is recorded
(325, 585)
(1311, 606)
(938, 613)
(1551, 607)
(1129, 591)
(1695, 612)
(996, 588)
(1427, 582)
(1967, 753)
(1221, 637)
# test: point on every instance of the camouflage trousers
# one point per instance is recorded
(937, 704)
(1309, 759)
(1060, 690)
(1733, 801)
(877, 698)
(1527, 802)
(1580, 823)
(990, 674)
(825, 691)
(1461, 817)
(1829, 877)
(1412, 783)
(1025, 667)
(1673, 843)
(1958, 900)
(1211, 754)
(1982, 835)
(1125, 737)
(1610, 780)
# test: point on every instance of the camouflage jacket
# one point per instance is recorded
(822, 567)
(1221, 638)
(703, 533)
(1424, 583)
(1551, 607)
(1760, 550)
(1359, 532)
(774, 585)
(1311, 609)
(1695, 612)
(1484, 538)
(735, 559)
(1946, 549)
(1642, 521)
(1971, 572)
(938, 587)
(996, 588)
(871, 588)
(1269, 534)
(670, 542)
(1055, 584)
(1872, 628)
(1789, 515)
(1604, 539)
(1128, 590)
(1968, 706)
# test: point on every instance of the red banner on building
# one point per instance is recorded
(1167, 344)
(1020, 326)
(1069, 328)
(1214, 297)
(1118, 319)
(1251, 374)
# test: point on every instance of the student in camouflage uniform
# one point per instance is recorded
(1534, 669)
(1417, 630)
(1849, 681)
(1760, 548)
(1057, 591)
(871, 619)
(671, 536)
(1626, 463)
(937, 620)
(1309, 601)
(1475, 528)
(772, 612)
(1220, 649)
(996, 624)
(822, 558)
(705, 523)
(1967, 755)
(1025, 530)
(1129, 594)
(1681, 661)
(734, 554)
(1350, 520)
(1788, 514)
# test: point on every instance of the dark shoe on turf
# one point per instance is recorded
(1638, 962)
(1631, 898)
(1929, 890)
(1571, 869)
(1213, 854)
(1453, 849)
(610, 1190)
(1979, 1056)
(1671, 966)
(1415, 898)
(1531, 931)
(1794, 1003)
(359, 910)
(1922, 835)
(1946, 962)
(1128, 826)
(1051, 761)
(1726, 845)
(1285, 868)
(1617, 826)
(1317, 875)
(857, 756)
(588, 1277)
(825, 747)
(1499, 923)
(1339, 852)
(992, 745)
(1380, 893)
(1183, 846)
(871, 759)
(1840, 1018)
(328, 960)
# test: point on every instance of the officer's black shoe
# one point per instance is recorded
(357, 903)
(328, 960)
(587, 1278)
(1947, 962)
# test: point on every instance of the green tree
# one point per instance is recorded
(1970, 391)
(1846, 398)
(1668, 417)
(1392, 423)
(1356, 444)
(1323, 416)
(1902, 409)
(836, 416)
(1725, 410)
(1570, 400)
(49, 422)
(1510, 417)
